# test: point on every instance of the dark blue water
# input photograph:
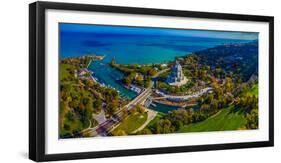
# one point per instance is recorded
(134, 48)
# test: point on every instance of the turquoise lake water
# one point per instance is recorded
(130, 48)
(109, 76)
(163, 108)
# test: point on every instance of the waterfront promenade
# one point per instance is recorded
(185, 97)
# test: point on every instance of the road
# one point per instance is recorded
(160, 72)
(106, 127)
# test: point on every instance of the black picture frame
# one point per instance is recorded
(37, 80)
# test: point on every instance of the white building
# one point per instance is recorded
(177, 77)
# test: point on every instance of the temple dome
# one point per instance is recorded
(177, 77)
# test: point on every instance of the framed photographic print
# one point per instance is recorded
(117, 81)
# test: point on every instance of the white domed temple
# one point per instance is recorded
(177, 77)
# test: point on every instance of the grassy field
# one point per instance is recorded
(226, 119)
(131, 123)
(156, 119)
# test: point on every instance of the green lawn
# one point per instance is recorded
(156, 119)
(226, 119)
(131, 123)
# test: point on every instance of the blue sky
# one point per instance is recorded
(100, 29)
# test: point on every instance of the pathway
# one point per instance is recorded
(151, 114)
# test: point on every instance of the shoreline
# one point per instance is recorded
(174, 105)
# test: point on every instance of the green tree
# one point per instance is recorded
(164, 126)
(145, 131)
(209, 98)
(147, 83)
(127, 80)
(120, 133)
(152, 72)
(140, 109)
(215, 105)
(252, 119)
(228, 85)
(97, 103)
(111, 107)
(205, 108)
